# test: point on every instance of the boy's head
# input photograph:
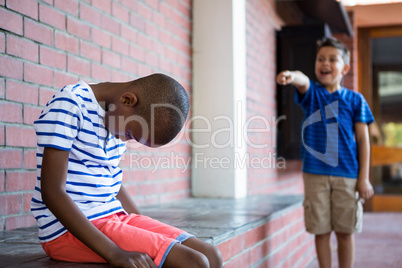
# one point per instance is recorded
(152, 110)
(332, 63)
(332, 42)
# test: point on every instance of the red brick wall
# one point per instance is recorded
(45, 44)
(280, 242)
(350, 79)
(266, 173)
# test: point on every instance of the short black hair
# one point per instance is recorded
(333, 42)
(164, 104)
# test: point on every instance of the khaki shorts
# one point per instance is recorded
(331, 204)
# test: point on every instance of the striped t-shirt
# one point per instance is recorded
(328, 138)
(73, 121)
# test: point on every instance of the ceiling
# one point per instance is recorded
(329, 11)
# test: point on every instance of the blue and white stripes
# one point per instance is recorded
(73, 121)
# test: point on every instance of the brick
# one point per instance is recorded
(52, 58)
(63, 79)
(2, 88)
(30, 157)
(137, 22)
(90, 51)
(45, 94)
(51, 16)
(38, 74)
(2, 136)
(137, 53)
(151, 30)
(27, 200)
(231, 247)
(19, 221)
(129, 65)
(144, 70)
(2, 42)
(118, 76)
(66, 43)
(26, 7)
(69, 6)
(185, 10)
(21, 47)
(20, 180)
(159, 49)
(10, 67)
(132, 5)
(101, 38)
(21, 92)
(120, 46)
(10, 204)
(11, 21)
(153, 4)
(110, 25)
(145, 11)
(78, 66)
(129, 34)
(151, 58)
(38, 32)
(100, 72)
(31, 114)
(10, 112)
(2, 181)
(90, 15)
(76, 27)
(144, 41)
(158, 19)
(111, 59)
(20, 136)
(120, 12)
(105, 6)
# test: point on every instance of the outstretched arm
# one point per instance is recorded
(53, 181)
(296, 78)
(364, 186)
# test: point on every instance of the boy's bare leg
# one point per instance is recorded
(323, 248)
(345, 250)
(193, 253)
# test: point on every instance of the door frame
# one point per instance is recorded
(365, 84)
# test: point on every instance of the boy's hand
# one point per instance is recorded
(285, 78)
(130, 259)
(296, 78)
(365, 189)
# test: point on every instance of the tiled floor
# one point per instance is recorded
(380, 243)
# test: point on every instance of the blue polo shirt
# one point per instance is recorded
(328, 138)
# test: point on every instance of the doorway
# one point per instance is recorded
(380, 78)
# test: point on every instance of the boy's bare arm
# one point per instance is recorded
(128, 204)
(364, 186)
(296, 78)
(53, 181)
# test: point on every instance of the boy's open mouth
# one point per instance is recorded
(325, 72)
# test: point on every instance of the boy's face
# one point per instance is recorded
(330, 67)
(123, 124)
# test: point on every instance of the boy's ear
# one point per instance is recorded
(346, 69)
(129, 98)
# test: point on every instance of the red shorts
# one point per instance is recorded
(130, 232)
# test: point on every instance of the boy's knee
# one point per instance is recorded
(343, 236)
(199, 260)
(214, 256)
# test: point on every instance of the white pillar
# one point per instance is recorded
(219, 99)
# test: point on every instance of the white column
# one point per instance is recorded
(219, 99)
